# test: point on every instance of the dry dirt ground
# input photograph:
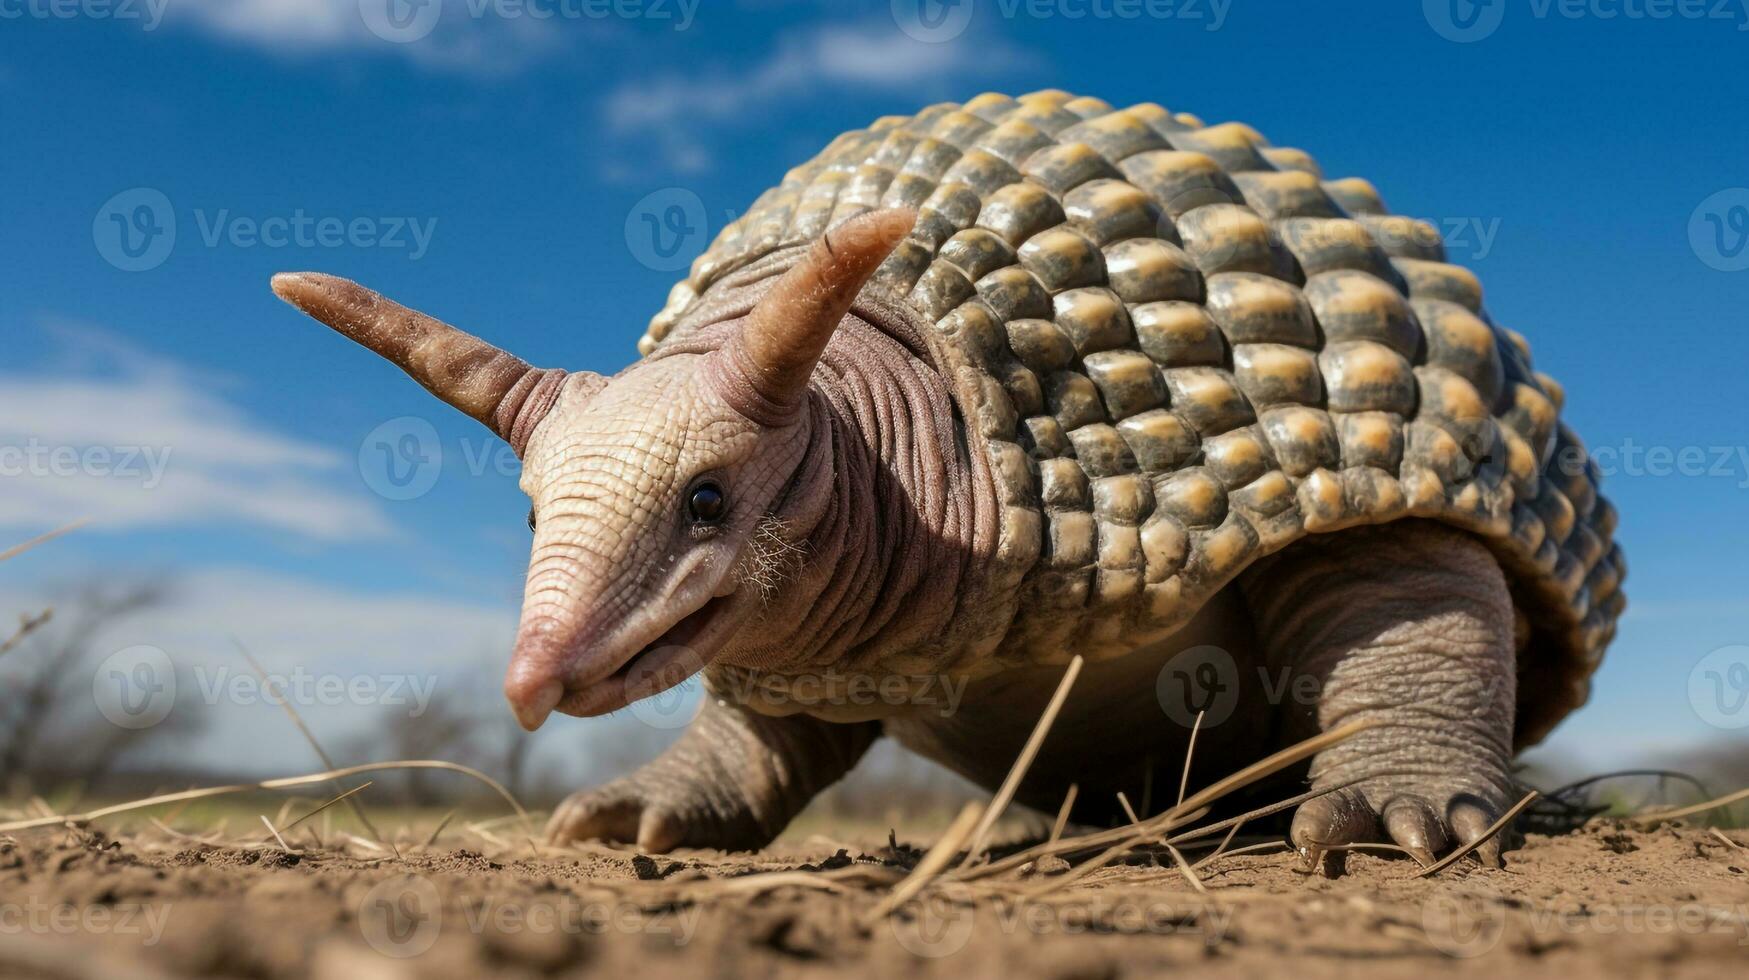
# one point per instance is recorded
(1609, 900)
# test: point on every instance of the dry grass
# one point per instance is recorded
(959, 866)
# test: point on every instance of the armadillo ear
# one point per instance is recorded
(768, 363)
(498, 389)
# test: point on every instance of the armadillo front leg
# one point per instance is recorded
(1408, 625)
(732, 781)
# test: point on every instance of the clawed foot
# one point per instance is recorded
(1425, 819)
(656, 816)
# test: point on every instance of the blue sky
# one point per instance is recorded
(488, 173)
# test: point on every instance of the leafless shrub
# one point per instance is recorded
(51, 731)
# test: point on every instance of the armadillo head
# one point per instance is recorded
(649, 487)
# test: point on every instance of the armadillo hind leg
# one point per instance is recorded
(1408, 625)
(732, 781)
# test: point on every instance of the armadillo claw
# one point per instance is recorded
(603, 814)
(1471, 818)
(617, 815)
(1365, 814)
(656, 815)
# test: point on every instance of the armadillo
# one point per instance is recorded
(997, 385)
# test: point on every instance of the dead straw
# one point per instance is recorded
(932, 864)
(1684, 811)
(343, 796)
(19, 549)
(26, 625)
(266, 784)
(1063, 812)
(1487, 835)
(309, 736)
(1017, 772)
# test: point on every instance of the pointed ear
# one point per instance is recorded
(767, 364)
(498, 389)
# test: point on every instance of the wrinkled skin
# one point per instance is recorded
(844, 531)
(1408, 625)
(617, 560)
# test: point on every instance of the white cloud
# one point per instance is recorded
(672, 108)
(346, 659)
(292, 22)
(464, 35)
(157, 446)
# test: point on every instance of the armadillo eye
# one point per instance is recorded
(707, 504)
(531, 519)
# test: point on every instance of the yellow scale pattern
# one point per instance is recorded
(1182, 349)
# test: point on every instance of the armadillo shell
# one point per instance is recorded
(1185, 349)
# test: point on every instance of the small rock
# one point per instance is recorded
(648, 870)
(1050, 864)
